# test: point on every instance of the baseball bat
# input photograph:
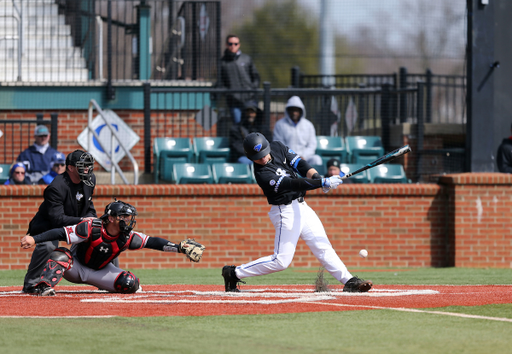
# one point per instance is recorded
(386, 158)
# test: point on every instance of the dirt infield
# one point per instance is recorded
(211, 300)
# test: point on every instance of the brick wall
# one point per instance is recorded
(464, 221)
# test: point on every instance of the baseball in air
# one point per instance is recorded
(363, 253)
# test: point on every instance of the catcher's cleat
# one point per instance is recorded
(356, 285)
(31, 290)
(230, 279)
(45, 290)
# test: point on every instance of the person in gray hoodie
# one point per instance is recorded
(296, 132)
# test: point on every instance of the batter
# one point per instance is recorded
(278, 171)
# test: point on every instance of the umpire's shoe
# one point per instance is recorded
(230, 279)
(356, 285)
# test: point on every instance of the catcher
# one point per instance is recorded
(95, 244)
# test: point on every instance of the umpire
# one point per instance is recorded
(67, 201)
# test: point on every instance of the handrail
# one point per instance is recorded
(99, 24)
(115, 166)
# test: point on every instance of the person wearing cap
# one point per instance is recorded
(252, 121)
(17, 175)
(37, 157)
(67, 201)
(58, 166)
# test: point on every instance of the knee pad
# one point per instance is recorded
(126, 283)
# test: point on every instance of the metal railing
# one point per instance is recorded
(192, 112)
(113, 139)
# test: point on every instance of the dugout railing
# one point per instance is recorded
(196, 112)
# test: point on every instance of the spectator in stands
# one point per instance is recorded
(252, 121)
(37, 157)
(296, 132)
(237, 71)
(334, 169)
(17, 175)
(58, 166)
(504, 158)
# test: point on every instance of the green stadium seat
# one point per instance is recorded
(4, 172)
(167, 152)
(224, 173)
(329, 147)
(192, 173)
(359, 178)
(211, 149)
(388, 173)
(364, 149)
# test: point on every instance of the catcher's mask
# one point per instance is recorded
(121, 209)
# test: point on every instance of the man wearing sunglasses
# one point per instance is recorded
(17, 175)
(58, 167)
(237, 71)
(37, 157)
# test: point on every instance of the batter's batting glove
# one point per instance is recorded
(331, 183)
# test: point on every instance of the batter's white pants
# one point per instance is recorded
(291, 222)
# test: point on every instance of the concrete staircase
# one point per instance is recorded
(48, 54)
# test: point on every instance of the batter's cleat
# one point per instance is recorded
(230, 279)
(356, 285)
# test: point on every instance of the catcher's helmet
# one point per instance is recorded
(119, 208)
(256, 146)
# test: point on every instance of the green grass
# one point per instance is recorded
(380, 331)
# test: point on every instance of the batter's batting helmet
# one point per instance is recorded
(119, 208)
(256, 146)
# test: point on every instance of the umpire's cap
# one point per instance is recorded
(256, 146)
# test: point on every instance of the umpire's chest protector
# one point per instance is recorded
(100, 248)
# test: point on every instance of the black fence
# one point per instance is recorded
(197, 112)
(104, 40)
(445, 94)
(18, 134)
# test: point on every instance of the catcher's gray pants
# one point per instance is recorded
(103, 279)
(40, 256)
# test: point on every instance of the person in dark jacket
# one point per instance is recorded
(67, 201)
(252, 121)
(17, 175)
(237, 71)
(504, 158)
(37, 157)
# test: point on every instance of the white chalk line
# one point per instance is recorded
(248, 296)
(403, 309)
(46, 317)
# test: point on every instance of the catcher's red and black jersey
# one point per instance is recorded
(269, 177)
(95, 248)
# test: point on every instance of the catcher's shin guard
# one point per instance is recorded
(126, 283)
(60, 261)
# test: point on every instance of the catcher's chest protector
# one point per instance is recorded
(100, 248)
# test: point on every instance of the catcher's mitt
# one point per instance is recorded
(192, 249)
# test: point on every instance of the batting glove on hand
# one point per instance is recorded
(331, 183)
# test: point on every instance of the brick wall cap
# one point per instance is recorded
(477, 178)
